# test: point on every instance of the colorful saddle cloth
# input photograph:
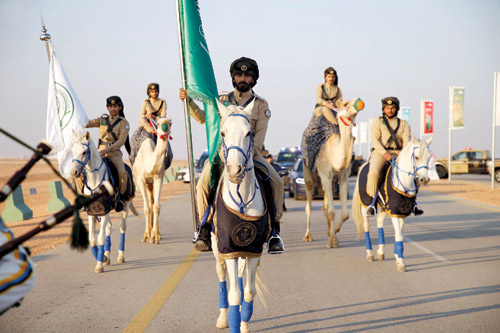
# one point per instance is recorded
(314, 137)
(138, 138)
(390, 199)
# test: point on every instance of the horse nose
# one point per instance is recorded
(423, 180)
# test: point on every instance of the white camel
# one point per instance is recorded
(242, 224)
(148, 169)
(334, 161)
(86, 160)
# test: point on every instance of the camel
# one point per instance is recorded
(334, 161)
(148, 169)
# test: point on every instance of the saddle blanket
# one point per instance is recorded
(314, 137)
(138, 138)
(240, 235)
(390, 199)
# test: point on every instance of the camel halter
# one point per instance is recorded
(248, 155)
(163, 136)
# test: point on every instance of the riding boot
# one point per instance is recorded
(204, 241)
(417, 210)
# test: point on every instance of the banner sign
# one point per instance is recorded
(457, 107)
(428, 117)
(405, 114)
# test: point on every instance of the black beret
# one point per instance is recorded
(112, 100)
(390, 101)
(331, 70)
(245, 65)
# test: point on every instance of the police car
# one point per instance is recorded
(183, 174)
(287, 157)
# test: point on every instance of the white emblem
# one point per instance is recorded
(268, 113)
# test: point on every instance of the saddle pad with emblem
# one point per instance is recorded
(240, 235)
(314, 137)
(394, 202)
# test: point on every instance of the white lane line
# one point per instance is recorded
(426, 250)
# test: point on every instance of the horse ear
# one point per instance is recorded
(343, 105)
(223, 111)
(87, 136)
(249, 108)
(414, 140)
(429, 140)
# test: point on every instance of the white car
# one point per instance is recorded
(183, 174)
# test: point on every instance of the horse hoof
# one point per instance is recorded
(98, 270)
(222, 323)
(120, 260)
(107, 261)
(369, 258)
(401, 268)
(380, 256)
(145, 239)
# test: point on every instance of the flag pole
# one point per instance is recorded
(45, 37)
(187, 122)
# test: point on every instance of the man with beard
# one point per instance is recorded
(244, 75)
(386, 145)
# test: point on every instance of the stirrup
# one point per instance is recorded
(417, 210)
(277, 247)
(370, 211)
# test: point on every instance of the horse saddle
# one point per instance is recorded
(389, 198)
(130, 193)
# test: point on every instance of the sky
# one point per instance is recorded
(413, 50)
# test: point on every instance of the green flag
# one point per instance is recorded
(198, 70)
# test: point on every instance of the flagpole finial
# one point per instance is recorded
(44, 36)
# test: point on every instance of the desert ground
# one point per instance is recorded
(41, 175)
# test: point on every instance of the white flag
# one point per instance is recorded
(65, 114)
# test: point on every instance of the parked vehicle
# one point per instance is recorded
(298, 184)
(468, 161)
(287, 157)
(183, 174)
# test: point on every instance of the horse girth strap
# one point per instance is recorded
(109, 131)
(393, 133)
(232, 100)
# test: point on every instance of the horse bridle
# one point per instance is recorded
(248, 156)
(88, 156)
(414, 173)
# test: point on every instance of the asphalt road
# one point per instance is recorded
(452, 283)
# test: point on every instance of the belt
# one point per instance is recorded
(109, 144)
(392, 149)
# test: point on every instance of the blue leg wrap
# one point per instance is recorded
(398, 249)
(107, 244)
(122, 242)
(100, 253)
(246, 311)
(240, 284)
(381, 238)
(223, 302)
(94, 251)
(368, 241)
(234, 319)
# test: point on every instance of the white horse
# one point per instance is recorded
(409, 171)
(334, 161)
(86, 161)
(239, 195)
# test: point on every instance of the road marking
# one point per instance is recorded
(426, 250)
(149, 311)
(450, 197)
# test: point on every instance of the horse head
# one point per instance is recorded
(237, 140)
(422, 155)
(348, 110)
(81, 153)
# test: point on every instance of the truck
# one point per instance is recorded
(469, 161)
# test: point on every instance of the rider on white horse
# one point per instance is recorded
(113, 134)
(244, 74)
(388, 134)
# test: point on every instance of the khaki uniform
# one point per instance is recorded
(326, 92)
(158, 108)
(112, 146)
(259, 120)
(381, 142)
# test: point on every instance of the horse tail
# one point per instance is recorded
(134, 210)
(261, 288)
(356, 210)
